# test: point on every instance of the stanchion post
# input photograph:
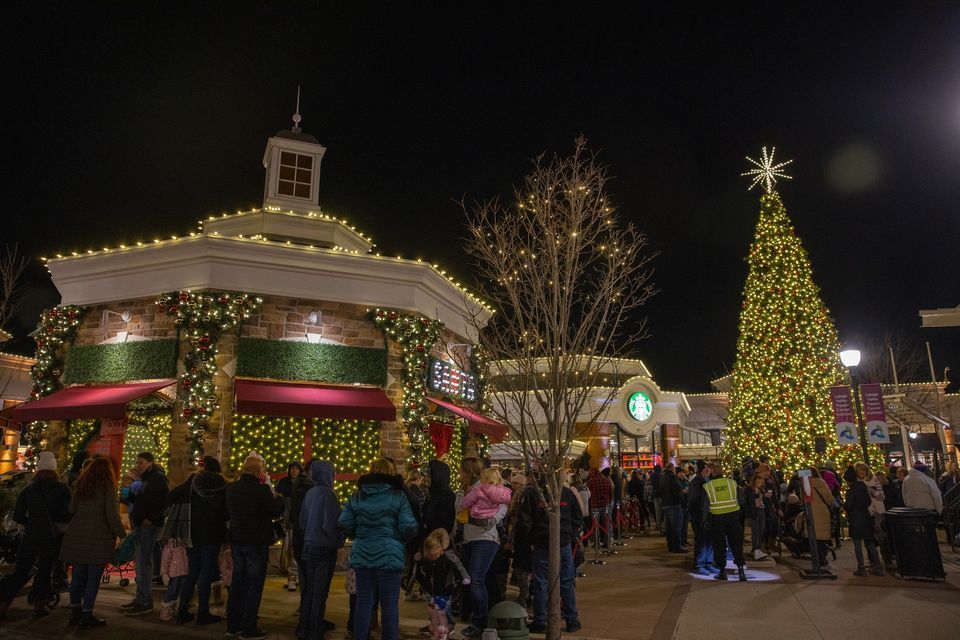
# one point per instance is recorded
(596, 540)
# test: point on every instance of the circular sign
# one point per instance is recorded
(639, 406)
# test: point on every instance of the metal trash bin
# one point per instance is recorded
(914, 541)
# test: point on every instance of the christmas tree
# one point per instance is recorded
(787, 352)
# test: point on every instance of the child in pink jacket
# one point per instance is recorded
(485, 499)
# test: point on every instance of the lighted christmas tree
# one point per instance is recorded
(787, 352)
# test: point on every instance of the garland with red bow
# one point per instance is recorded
(415, 334)
(204, 316)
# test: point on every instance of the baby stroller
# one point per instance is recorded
(122, 563)
(793, 534)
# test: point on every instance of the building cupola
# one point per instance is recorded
(292, 164)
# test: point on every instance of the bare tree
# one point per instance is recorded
(566, 278)
(12, 266)
(908, 353)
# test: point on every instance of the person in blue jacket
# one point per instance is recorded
(379, 519)
(319, 516)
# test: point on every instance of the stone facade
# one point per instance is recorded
(277, 318)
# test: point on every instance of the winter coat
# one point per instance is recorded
(252, 507)
(534, 520)
(635, 488)
(173, 560)
(601, 490)
(151, 502)
(858, 515)
(438, 508)
(208, 506)
(921, 492)
(484, 500)
(320, 511)
(695, 495)
(822, 501)
(379, 519)
(41, 503)
(441, 576)
(94, 529)
(301, 486)
(670, 490)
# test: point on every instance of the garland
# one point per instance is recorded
(157, 423)
(57, 328)
(415, 334)
(480, 365)
(205, 317)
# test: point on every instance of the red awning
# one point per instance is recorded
(88, 401)
(477, 422)
(267, 398)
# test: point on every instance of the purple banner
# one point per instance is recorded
(843, 419)
(878, 432)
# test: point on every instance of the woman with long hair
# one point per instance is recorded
(380, 520)
(91, 539)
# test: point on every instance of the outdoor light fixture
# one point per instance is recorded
(125, 315)
(850, 357)
(913, 435)
(314, 316)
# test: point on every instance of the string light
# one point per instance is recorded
(204, 316)
(787, 354)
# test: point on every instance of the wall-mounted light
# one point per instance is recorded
(125, 315)
(314, 316)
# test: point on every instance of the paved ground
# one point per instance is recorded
(639, 594)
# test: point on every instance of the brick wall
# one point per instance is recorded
(346, 324)
(146, 321)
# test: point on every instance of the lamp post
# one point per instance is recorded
(850, 359)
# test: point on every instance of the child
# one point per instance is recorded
(485, 499)
(438, 571)
(173, 566)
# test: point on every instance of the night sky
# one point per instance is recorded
(123, 124)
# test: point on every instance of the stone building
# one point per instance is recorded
(272, 313)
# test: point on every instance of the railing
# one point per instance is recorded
(951, 516)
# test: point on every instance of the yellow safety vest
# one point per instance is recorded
(722, 493)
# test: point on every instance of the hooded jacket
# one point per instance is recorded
(206, 493)
(534, 520)
(379, 519)
(285, 485)
(438, 510)
(320, 510)
(43, 502)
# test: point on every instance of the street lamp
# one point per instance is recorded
(850, 359)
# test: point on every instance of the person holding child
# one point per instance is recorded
(480, 510)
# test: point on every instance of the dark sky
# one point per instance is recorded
(122, 123)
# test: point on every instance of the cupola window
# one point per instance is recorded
(295, 176)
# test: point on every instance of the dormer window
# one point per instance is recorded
(296, 175)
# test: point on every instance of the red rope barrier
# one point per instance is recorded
(587, 535)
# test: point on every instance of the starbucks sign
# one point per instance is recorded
(639, 406)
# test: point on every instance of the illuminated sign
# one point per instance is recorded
(639, 406)
(452, 382)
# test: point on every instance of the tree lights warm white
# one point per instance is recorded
(787, 351)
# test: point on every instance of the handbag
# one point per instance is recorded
(176, 526)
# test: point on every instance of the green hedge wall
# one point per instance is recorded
(286, 360)
(144, 360)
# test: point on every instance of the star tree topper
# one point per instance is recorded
(765, 171)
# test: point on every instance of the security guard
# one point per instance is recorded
(721, 517)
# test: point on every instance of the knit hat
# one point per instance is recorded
(828, 464)
(47, 461)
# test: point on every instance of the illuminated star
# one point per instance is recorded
(766, 172)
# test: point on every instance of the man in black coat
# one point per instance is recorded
(41, 504)
(702, 543)
(534, 521)
(252, 506)
(671, 495)
(149, 506)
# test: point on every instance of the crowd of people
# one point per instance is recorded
(455, 550)
(718, 509)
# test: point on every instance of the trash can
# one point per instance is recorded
(914, 533)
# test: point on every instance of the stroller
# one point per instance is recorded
(793, 533)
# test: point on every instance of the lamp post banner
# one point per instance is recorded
(878, 432)
(844, 421)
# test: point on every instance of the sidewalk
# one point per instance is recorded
(641, 593)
